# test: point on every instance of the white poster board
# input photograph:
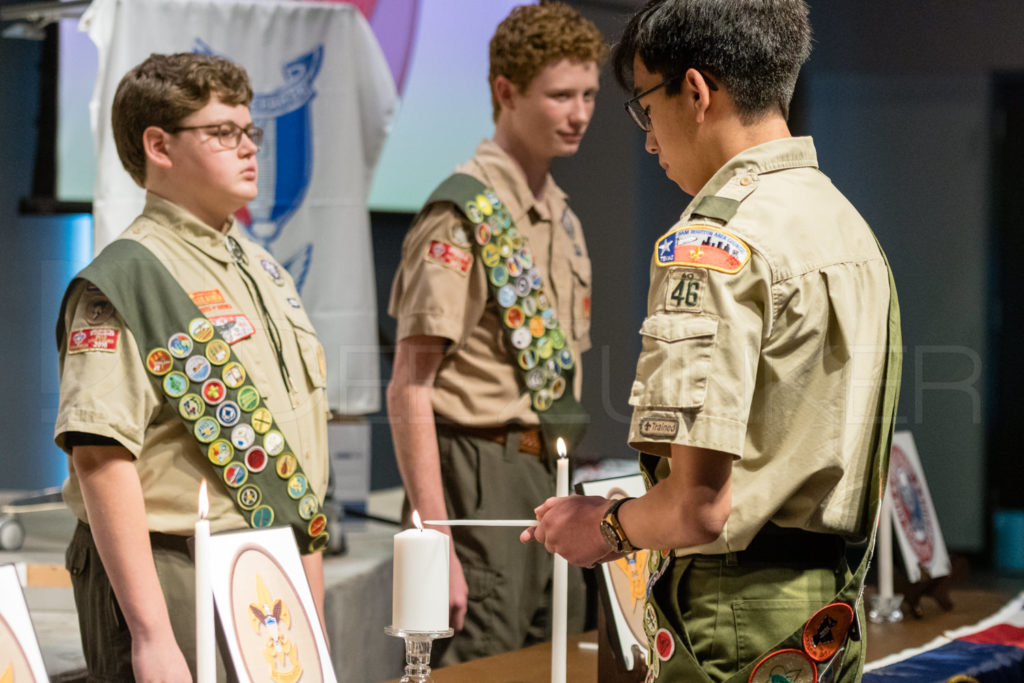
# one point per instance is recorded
(266, 608)
(20, 657)
(917, 526)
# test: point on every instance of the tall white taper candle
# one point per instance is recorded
(420, 588)
(885, 547)
(206, 639)
(559, 627)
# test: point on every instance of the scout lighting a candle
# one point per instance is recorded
(206, 657)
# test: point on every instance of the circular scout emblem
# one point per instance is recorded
(233, 375)
(535, 379)
(541, 400)
(551, 368)
(565, 360)
(664, 644)
(249, 497)
(484, 205)
(537, 282)
(256, 459)
(910, 506)
(248, 398)
(489, 255)
(218, 352)
(492, 197)
(298, 486)
(550, 318)
(544, 347)
(214, 391)
(495, 225)
(262, 517)
(505, 218)
(650, 620)
(197, 368)
(653, 560)
(522, 287)
(317, 525)
(527, 359)
(529, 305)
(652, 670)
(784, 666)
(180, 345)
(825, 632)
(235, 474)
(262, 420)
(505, 247)
(201, 330)
(274, 442)
(514, 269)
(220, 452)
(206, 429)
(557, 388)
(319, 543)
(557, 338)
(474, 213)
(243, 436)
(175, 384)
(228, 414)
(191, 407)
(525, 260)
(514, 317)
(159, 362)
(286, 466)
(459, 234)
(483, 233)
(271, 269)
(498, 275)
(506, 296)
(308, 506)
(537, 326)
(521, 338)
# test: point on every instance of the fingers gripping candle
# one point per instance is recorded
(420, 589)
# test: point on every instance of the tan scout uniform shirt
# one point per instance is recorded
(441, 290)
(110, 393)
(778, 363)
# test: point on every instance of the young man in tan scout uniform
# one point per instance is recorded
(493, 306)
(185, 355)
(766, 386)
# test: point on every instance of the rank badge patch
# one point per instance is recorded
(93, 339)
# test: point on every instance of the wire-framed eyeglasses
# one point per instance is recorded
(641, 114)
(228, 133)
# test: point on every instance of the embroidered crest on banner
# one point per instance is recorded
(703, 246)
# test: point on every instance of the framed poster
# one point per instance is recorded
(266, 608)
(625, 580)
(20, 657)
(917, 527)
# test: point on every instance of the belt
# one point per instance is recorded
(530, 440)
(157, 539)
(779, 546)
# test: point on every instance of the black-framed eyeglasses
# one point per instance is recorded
(641, 114)
(228, 133)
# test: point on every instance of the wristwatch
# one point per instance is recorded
(612, 531)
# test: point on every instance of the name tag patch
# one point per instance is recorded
(93, 339)
(702, 246)
(449, 256)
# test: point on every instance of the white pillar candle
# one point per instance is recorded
(420, 588)
(885, 547)
(206, 639)
(559, 627)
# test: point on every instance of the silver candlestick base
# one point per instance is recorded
(417, 651)
(886, 609)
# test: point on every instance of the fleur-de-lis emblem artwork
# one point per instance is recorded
(271, 620)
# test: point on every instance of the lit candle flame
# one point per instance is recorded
(416, 519)
(560, 446)
(204, 501)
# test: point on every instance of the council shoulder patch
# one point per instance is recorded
(93, 339)
(703, 246)
(449, 256)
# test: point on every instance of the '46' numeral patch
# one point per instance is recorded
(685, 289)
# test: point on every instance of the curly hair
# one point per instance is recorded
(163, 90)
(533, 36)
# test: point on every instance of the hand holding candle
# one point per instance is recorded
(206, 657)
(420, 589)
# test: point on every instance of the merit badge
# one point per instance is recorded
(484, 205)
(98, 309)
(523, 287)
(557, 338)
(248, 398)
(489, 255)
(459, 234)
(271, 269)
(527, 359)
(317, 525)
(550, 318)
(544, 347)
(521, 338)
(235, 474)
(505, 247)
(557, 388)
(297, 486)
(93, 339)
(536, 281)
(159, 362)
(274, 442)
(664, 644)
(286, 466)
(249, 497)
(514, 269)
(703, 246)
(213, 391)
(319, 543)
(514, 317)
(197, 368)
(498, 275)
(825, 632)
(201, 330)
(191, 406)
(220, 452)
(180, 345)
(784, 666)
(529, 305)
(262, 517)
(505, 218)
(308, 506)
(175, 384)
(537, 325)
(525, 260)
(256, 459)
(218, 352)
(551, 368)
(206, 429)
(541, 400)
(261, 420)
(483, 234)
(228, 413)
(243, 436)
(293, 302)
(506, 296)
(650, 620)
(567, 223)
(564, 359)
(492, 197)
(449, 256)
(235, 249)
(233, 375)
(653, 669)
(535, 379)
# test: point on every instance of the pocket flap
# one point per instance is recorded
(677, 327)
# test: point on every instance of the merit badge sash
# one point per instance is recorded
(539, 347)
(210, 390)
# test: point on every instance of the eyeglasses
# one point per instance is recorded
(228, 133)
(642, 115)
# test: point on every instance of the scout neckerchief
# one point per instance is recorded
(803, 653)
(538, 345)
(209, 389)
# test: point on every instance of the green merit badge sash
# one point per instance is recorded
(538, 345)
(209, 389)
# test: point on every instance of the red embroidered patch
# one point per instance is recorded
(449, 256)
(93, 339)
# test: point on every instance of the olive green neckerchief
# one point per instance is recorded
(538, 346)
(209, 389)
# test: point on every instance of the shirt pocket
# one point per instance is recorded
(675, 361)
(581, 291)
(310, 349)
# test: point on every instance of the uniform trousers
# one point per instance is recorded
(510, 583)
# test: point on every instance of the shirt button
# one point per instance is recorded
(746, 180)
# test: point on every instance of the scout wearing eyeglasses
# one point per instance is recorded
(767, 380)
(185, 355)
(492, 299)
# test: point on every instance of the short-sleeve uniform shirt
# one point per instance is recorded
(441, 290)
(765, 338)
(106, 390)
